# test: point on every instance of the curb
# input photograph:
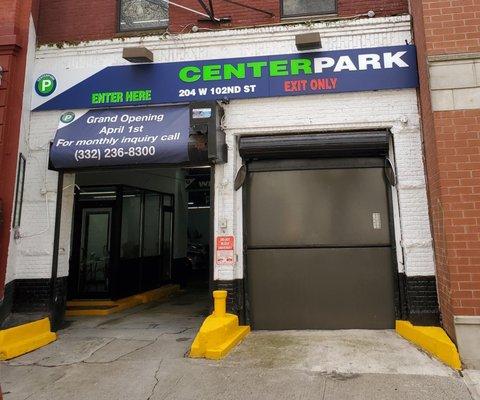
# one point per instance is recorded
(107, 307)
(25, 338)
(433, 340)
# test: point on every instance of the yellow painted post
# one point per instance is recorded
(219, 333)
(219, 303)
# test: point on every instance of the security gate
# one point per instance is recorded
(319, 248)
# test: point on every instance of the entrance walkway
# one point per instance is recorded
(139, 354)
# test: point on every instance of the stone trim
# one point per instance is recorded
(455, 84)
(453, 57)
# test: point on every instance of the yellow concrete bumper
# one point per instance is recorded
(25, 338)
(77, 308)
(433, 340)
(219, 333)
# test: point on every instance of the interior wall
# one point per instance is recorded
(199, 225)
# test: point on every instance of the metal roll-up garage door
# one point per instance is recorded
(345, 144)
(319, 248)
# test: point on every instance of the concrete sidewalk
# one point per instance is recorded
(472, 379)
(140, 354)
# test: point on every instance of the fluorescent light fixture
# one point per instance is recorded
(104, 197)
(92, 193)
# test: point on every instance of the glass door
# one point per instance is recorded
(94, 252)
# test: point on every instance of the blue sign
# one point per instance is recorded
(355, 70)
(116, 137)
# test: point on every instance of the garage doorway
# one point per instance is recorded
(137, 230)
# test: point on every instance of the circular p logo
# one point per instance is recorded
(45, 85)
(67, 117)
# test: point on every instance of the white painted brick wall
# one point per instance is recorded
(15, 256)
(396, 110)
(31, 256)
(336, 112)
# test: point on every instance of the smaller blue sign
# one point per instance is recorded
(118, 137)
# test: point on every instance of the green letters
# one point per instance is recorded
(237, 71)
(212, 72)
(107, 97)
(278, 68)
(138, 95)
(301, 64)
(189, 74)
(256, 67)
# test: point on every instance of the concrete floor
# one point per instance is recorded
(140, 354)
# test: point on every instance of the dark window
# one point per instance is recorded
(294, 8)
(152, 228)
(167, 220)
(137, 15)
(131, 224)
(19, 191)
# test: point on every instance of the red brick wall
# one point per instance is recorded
(452, 158)
(73, 20)
(458, 141)
(432, 169)
(14, 28)
(90, 19)
(35, 11)
(381, 8)
(8, 12)
(452, 26)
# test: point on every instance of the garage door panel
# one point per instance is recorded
(321, 288)
(317, 207)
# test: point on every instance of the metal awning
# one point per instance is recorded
(121, 137)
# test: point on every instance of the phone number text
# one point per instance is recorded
(98, 154)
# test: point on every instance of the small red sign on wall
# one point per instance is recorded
(225, 250)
